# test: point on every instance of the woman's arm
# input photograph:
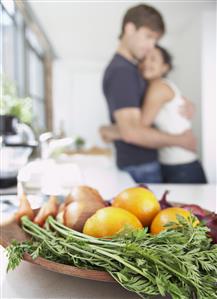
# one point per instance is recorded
(157, 95)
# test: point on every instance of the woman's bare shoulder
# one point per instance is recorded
(160, 88)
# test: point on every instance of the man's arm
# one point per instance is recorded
(109, 133)
(132, 131)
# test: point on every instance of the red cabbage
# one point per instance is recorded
(164, 204)
(194, 209)
(210, 220)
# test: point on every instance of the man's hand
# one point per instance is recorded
(188, 141)
(109, 133)
(187, 110)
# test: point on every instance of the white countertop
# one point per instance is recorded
(31, 281)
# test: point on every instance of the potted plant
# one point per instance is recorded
(13, 105)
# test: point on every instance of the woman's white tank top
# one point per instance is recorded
(169, 120)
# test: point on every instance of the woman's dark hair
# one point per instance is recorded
(143, 16)
(167, 57)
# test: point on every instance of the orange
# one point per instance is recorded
(108, 221)
(165, 216)
(139, 201)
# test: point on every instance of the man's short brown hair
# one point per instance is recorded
(144, 16)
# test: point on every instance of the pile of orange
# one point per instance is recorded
(139, 201)
(165, 216)
(109, 221)
(137, 207)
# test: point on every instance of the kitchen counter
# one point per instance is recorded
(31, 281)
(10, 190)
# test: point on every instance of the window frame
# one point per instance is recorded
(14, 21)
(28, 20)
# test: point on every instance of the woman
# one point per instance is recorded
(161, 108)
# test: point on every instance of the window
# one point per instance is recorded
(36, 79)
(24, 59)
(8, 24)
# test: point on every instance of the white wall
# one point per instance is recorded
(78, 99)
(209, 94)
(186, 47)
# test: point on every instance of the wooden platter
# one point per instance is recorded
(12, 231)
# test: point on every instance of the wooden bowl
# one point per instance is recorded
(12, 231)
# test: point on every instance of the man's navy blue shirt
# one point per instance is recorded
(123, 87)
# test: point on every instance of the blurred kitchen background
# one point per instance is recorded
(55, 52)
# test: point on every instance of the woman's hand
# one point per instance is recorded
(109, 133)
(187, 110)
(188, 141)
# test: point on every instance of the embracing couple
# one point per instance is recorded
(151, 126)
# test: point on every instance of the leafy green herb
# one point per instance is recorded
(179, 261)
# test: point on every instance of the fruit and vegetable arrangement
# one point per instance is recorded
(149, 247)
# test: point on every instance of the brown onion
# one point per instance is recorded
(24, 209)
(85, 202)
(49, 208)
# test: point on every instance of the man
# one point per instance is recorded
(124, 89)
